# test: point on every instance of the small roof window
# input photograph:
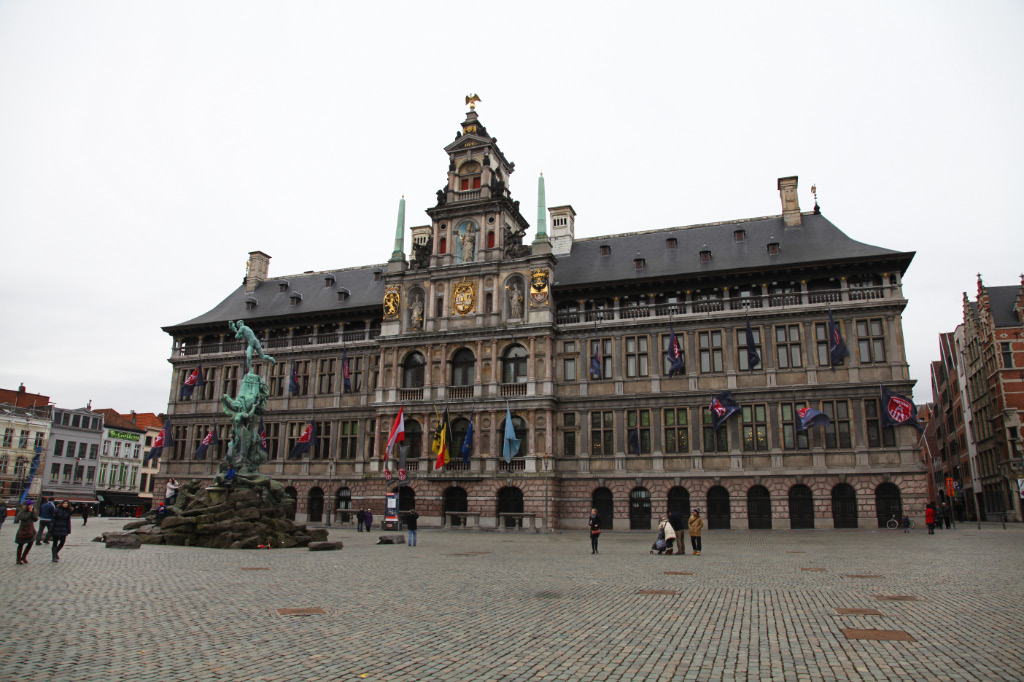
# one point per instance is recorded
(251, 303)
(670, 243)
(740, 235)
(639, 263)
(605, 250)
(282, 286)
(377, 274)
(343, 294)
(329, 281)
(295, 298)
(773, 249)
(705, 256)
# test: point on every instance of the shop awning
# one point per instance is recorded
(77, 498)
(122, 498)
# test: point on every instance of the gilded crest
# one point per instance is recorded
(392, 302)
(464, 296)
(539, 286)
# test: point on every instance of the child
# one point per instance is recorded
(906, 522)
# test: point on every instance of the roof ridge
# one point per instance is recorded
(736, 221)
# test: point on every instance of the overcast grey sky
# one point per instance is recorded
(147, 147)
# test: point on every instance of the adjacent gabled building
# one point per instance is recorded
(72, 456)
(25, 425)
(567, 338)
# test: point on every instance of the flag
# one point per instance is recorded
(293, 380)
(753, 359)
(31, 473)
(511, 444)
(445, 446)
(836, 348)
(192, 382)
(595, 361)
(162, 440)
(467, 444)
(402, 452)
(811, 417)
(306, 441)
(722, 407)
(897, 410)
(210, 439)
(346, 377)
(261, 433)
(674, 355)
(634, 434)
(397, 433)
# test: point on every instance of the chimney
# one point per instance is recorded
(259, 266)
(563, 229)
(21, 389)
(133, 416)
(790, 202)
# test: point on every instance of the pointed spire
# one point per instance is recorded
(542, 212)
(399, 253)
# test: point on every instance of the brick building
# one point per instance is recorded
(568, 336)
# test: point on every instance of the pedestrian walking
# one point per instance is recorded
(410, 525)
(595, 530)
(85, 514)
(676, 519)
(368, 520)
(947, 514)
(60, 529)
(360, 520)
(45, 518)
(929, 518)
(27, 518)
(171, 492)
(3, 513)
(696, 524)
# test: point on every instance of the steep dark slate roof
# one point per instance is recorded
(1002, 300)
(364, 290)
(817, 241)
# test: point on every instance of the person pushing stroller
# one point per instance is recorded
(666, 538)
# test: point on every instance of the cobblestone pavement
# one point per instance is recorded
(469, 605)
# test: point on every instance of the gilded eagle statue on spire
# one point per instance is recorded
(471, 100)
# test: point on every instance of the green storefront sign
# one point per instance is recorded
(124, 435)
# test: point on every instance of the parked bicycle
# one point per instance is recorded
(895, 523)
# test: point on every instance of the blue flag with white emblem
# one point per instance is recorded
(511, 444)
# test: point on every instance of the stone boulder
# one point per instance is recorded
(391, 540)
(325, 546)
(118, 540)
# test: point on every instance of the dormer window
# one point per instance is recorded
(773, 249)
(670, 243)
(282, 286)
(251, 303)
(329, 281)
(639, 263)
(705, 256)
(377, 275)
(606, 250)
(296, 297)
(343, 295)
(740, 235)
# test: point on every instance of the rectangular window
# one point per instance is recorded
(348, 440)
(355, 373)
(8, 437)
(666, 363)
(295, 430)
(677, 430)
(76, 421)
(23, 440)
(709, 345)
(636, 356)
(106, 448)
(93, 450)
(199, 432)
(792, 437)
(871, 340)
(569, 434)
(325, 376)
(278, 379)
(714, 441)
(143, 481)
(371, 438)
(70, 451)
(605, 364)
(755, 428)
(54, 471)
(787, 346)
(821, 343)
(230, 377)
(569, 369)
(122, 475)
(103, 472)
(134, 476)
(602, 433)
(303, 368)
(837, 433)
(90, 474)
(79, 472)
(741, 348)
(117, 448)
(273, 440)
(39, 441)
(209, 389)
(68, 469)
(1007, 353)
(645, 430)
(58, 448)
(878, 436)
(83, 448)
(180, 436)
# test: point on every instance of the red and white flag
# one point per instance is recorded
(397, 433)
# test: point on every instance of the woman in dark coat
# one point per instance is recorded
(60, 529)
(369, 520)
(595, 530)
(26, 519)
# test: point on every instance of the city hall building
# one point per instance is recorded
(481, 315)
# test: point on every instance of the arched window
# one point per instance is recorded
(463, 367)
(412, 370)
(316, 505)
(640, 509)
(455, 500)
(406, 499)
(679, 501)
(513, 365)
(604, 503)
(510, 501)
(459, 428)
(413, 438)
(844, 506)
(888, 503)
(759, 508)
(801, 507)
(519, 426)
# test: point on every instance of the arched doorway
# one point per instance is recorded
(406, 499)
(294, 494)
(844, 506)
(759, 508)
(604, 503)
(316, 505)
(679, 501)
(888, 503)
(343, 501)
(639, 509)
(801, 507)
(455, 500)
(718, 515)
(510, 501)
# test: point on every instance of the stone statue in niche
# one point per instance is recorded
(515, 300)
(416, 314)
(512, 243)
(468, 244)
(421, 253)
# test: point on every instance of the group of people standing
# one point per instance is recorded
(364, 519)
(671, 531)
(935, 516)
(54, 527)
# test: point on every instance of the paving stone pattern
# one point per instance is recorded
(520, 606)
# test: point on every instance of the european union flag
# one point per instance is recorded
(836, 348)
(293, 380)
(467, 444)
(753, 359)
(674, 355)
(305, 442)
(722, 407)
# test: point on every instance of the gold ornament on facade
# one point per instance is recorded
(471, 100)
(464, 296)
(392, 301)
(539, 279)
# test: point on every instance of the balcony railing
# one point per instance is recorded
(513, 390)
(405, 394)
(460, 392)
(456, 465)
(517, 464)
(299, 340)
(467, 195)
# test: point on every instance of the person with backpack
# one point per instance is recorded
(45, 519)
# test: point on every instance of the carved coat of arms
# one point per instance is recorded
(539, 286)
(464, 296)
(392, 301)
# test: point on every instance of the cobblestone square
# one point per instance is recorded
(475, 605)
